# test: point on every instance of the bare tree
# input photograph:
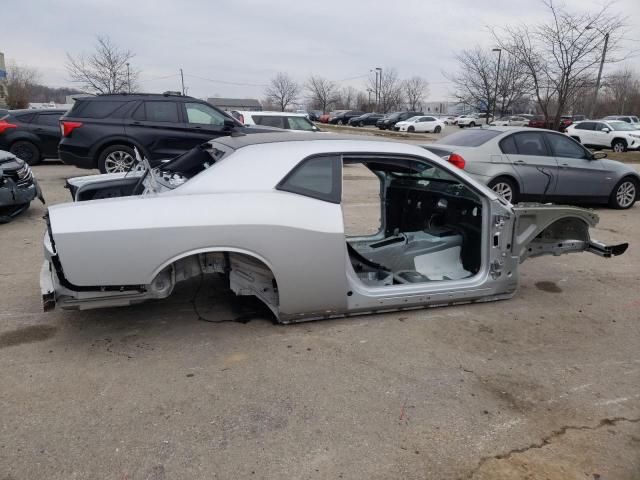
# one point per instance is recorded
(106, 70)
(322, 92)
(282, 91)
(390, 91)
(560, 55)
(21, 82)
(621, 86)
(347, 97)
(415, 90)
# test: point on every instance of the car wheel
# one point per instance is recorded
(437, 129)
(619, 146)
(624, 194)
(472, 124)
(26, 151)
(361, 124)
(506, 188)
(340, 122)
(117, 158)
(411, 129)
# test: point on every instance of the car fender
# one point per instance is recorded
(114, 140)
(22, 135)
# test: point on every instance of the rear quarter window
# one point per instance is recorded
(95, 109)
(24, 117)
(469, 138)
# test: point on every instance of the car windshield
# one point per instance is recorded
(412, 119)
(621, 126)
(469, 138)
(392, 116)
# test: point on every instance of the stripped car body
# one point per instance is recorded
(266, 211)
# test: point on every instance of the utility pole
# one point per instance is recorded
(595, 92)
(495, 94)
(378, 87)
(128, 79)
(182, 81)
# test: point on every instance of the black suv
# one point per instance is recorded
(389, 120)
(343, 117)
(31, 135)
(101, 131)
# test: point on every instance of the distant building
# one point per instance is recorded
(4, 93)
(228, 104)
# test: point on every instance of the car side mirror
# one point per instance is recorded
(606, 130)
(598, 155)
(229, 124)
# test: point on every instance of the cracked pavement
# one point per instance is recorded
(543, 386)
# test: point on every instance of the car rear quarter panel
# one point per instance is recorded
(128, 241)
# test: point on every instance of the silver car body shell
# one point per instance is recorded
(126, 250)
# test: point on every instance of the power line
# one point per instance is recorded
(159, 78)
(239, 84)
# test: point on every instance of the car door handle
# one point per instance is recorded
(520, 162)
(135, 123)
(564, 164)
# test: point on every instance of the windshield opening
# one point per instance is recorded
(621, 126)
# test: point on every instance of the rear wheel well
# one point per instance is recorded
(245, 274)
(618, 139)
(510, 178)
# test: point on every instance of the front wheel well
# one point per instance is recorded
(618, 139)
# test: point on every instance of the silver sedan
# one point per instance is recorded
(524, 164)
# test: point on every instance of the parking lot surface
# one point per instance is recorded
(201, 385)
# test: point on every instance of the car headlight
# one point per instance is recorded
(24, 172)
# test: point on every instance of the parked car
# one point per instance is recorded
(18, 187)
(448, 120)
(522, 164)
(314, 115)
(388, 121)
(420, 124)
(31, 135)
(101, 131)
(324, 118)
(278, 234)
(510, 121)
(540, 122)
(284, 120)
(614, 134)
(474, 120)
(366, 119)
(343, 118)
(632, 119)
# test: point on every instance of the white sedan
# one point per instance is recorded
(513, 121)
(420, 124)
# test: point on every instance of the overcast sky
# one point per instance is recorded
(238, 45)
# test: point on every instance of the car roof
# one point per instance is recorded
(236, 142)
(104, 97)
(37, 110)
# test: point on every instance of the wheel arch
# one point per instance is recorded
(623, 140)
(119, 140)
(509, 176)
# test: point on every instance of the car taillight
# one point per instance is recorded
(4, 125)
(67, 127)
(456, 160)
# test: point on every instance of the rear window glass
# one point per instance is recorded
(269, 121)
(50, 119)
(161, 111)
(468, 138)
(508, 145)
(24, 117)
(96, 109)
(318, 177)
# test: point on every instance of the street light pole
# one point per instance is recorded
(182, 81)
(128, 79)
(378, 87)
(495, 94)
(595, 93)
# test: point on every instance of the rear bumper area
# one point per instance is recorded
(72, 156)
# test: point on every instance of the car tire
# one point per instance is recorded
(618, 145)
(624, 194)
(340, 122)
(27, 151)
(472, 124)
(361, 124)
(506, 188)
(116, 158)
(411, 129)
(437, 129)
